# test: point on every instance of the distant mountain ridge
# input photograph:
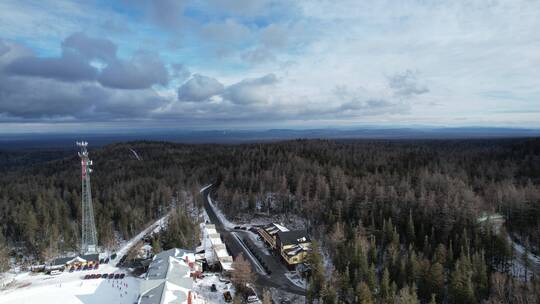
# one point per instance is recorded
(58, 140)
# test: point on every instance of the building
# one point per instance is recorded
(170, 278)
(215, 250)
(74, 261)
(293, 246)
(269, 233)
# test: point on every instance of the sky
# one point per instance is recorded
(101, 65)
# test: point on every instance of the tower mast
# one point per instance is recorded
(89, 235)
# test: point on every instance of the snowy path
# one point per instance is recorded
(156, 226)
(222, 218)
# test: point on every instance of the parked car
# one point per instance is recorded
(111, 276)
(117, 276)
(71, 269)
(105, 275)
(213, 288)
(55, 272)
(86, 277)
(251, 295)
(106, 261)
(90, 267)
(78, 268)
(122, 275)
(97, 266)
(85, 267)
(236, 227)
(243, 228)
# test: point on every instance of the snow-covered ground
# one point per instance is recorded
(518, 269)
(67, 287)
(71, 288)
(256, 239)
(203, 288)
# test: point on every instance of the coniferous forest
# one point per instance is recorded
(396, 221)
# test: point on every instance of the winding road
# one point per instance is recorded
(235, 240)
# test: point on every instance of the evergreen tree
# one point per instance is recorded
(316, 280)
(371, 278)
(435, 280)
(363, 294)
(407, 295)
(411, 234)
(461, 286)
(386, 291)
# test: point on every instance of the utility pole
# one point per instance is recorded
(89, 235)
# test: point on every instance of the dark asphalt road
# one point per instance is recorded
(277, 278)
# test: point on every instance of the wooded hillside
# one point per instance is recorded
(398, 218)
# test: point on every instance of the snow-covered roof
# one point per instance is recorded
(215, 249)
(274, 228)
(296, 249)
(168, 278)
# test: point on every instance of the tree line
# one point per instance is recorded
(395, 219)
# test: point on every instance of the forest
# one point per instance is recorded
(398, 220)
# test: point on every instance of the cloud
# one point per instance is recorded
(35, 88)
(180, 72)
(229, 32)
(258, 55)
(90, 48)
(406, 84)
(33, 98)
(241, 7)
(141, 72)
(79, 50)
(73, 65)
(70, 67)
(4, 48)
(168, 14)
(199, 88)
(250, 91)
(275, 36)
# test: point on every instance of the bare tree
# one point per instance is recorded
(242, 273)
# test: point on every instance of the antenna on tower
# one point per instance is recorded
(89, 234)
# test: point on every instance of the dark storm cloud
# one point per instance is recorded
(141, 72)
(199, 88)
(406, 84)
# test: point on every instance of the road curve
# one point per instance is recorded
(234, 242)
